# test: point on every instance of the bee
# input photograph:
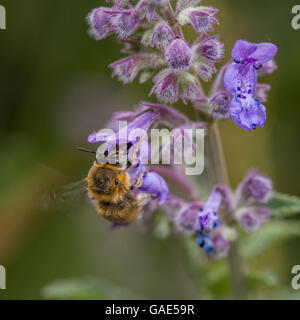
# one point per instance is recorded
(110, 188)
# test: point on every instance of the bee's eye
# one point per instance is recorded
(117, 182)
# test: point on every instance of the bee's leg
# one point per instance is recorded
(135, 152)
(138, 182)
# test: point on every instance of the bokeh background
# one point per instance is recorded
(55, 88)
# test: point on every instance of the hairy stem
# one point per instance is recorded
(221, 176)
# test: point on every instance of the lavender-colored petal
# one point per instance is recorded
(221, 245)
(162, 36)
(255, 187)
(179, 55)
(155, 185)
(210, 49)
(247, 113)
(242, 50)
(240, 79)
(220, 103)
(166, 86)
(265, 51)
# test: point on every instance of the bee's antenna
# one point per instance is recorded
(86, 150)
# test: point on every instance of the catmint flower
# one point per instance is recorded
(179, 54)
(190, 89)
(162, 36)
(256, 187)
(240, 80)
(201, 18)
(124, 22)
(128, 68)
(205, 242)
(251, 219)
(209, 49)
(204, 70)
(221, 245)
(166, 86)
(188, 218)
(220, 104)
(155, 185)
(99, 22)
(208, 218)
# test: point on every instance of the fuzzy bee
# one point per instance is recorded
(110, 188)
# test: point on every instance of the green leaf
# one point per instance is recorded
(283, 206)
(84, 289)
(271, 233)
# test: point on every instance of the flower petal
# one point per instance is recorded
(265, 51)
(242, 50)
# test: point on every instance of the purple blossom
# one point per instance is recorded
(179, 54)
(255, 187)
(209, 48)
(240, 80)
(99, 22)
(128, 68)
(124, 22)
(205, 70)
(188, 217)
(251, 219)
(221, 245)
(208, 218)
(162, 36)
(155, 185)
(220, 103)
(166, 86)
(201, 18)
(190, 89)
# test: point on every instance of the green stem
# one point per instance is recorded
(215, 151)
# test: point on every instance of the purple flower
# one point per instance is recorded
(155, 185)
(99, 21)
(190, 89)
(208, 218)
(127, 69)
(255, 187)
(209, 48)
(220, 245)
(162, 36)
(124, 22)
(188, 217)
(251, 219)
(240, 80)
(204, 70)
(200, 18)
(179, 54)
(166, 86)
(220, 103)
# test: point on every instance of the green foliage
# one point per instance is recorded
(272, 233)
(284, 206)
(85, 289)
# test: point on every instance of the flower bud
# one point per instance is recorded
(210, 49)
(251, 219)
(162, 36)
(179, 55)
(166, 86)
(99, 22)
(220, 104)
(125, 22)
(256, 187)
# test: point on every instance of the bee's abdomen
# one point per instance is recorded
(123, 211)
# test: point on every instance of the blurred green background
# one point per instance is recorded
(56, 88)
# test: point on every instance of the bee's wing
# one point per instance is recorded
(65, 195)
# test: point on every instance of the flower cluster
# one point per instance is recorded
(152, 33)
(156, 48)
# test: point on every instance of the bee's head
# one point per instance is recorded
(108, 181)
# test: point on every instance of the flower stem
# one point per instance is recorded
(217, 158)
